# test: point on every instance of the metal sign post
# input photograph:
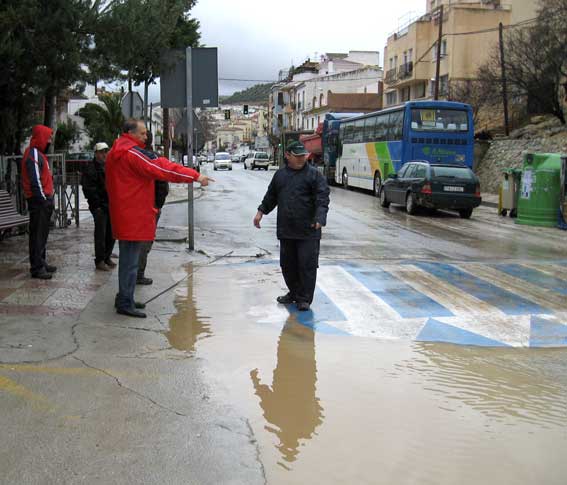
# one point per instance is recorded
(189, 78)
(190, 202)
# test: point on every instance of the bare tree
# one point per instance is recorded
(473, 92)
(535, 61)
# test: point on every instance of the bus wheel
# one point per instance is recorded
(345, 179)
(377, 184)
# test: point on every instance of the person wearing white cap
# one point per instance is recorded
(94, 189)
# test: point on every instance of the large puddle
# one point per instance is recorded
(339, 409)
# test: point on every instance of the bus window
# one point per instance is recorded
(358, 131)
(395, 125)
(369, 128)
(430, 119)
(381, 128)
(348, 134)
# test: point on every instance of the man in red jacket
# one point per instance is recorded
(130, 175)
(37, 183)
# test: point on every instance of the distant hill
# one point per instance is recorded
(258, 93)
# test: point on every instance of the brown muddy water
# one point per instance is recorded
(332, 409)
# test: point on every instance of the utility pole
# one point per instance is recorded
(190, 202)
(165, 134)
(438, 63)
(504, 81)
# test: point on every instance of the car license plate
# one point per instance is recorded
(452, 188)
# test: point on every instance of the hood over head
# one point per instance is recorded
(40, 137)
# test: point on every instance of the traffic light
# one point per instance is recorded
(227, 114)
(245, 110)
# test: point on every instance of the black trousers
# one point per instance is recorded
(104, 242)
(299, 260)
(40, 216)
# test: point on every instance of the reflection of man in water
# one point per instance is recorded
(291, 405)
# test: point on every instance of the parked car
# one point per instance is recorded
(222, 160)
(435, 186)
(235, 158)
(257, 160)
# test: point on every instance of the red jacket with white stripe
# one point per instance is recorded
(37, 180)
(130, 175)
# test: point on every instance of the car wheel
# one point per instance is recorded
(384, 202)
(411, 205)
(465, 213)
(377, 184)
(266, 169)
(245, 167)
(345, 179)
(503, 212)
(252, 167)
(216, 169)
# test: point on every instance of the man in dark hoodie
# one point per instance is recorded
(94, 188)
(37, 184)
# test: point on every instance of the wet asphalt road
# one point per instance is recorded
(377, 406)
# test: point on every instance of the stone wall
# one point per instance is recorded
(507, 152)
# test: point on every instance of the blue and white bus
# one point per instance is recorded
(374, 145)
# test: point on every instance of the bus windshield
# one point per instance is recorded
(445, 120)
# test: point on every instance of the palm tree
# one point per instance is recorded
(103, 123)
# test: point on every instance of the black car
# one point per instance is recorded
(435, 186)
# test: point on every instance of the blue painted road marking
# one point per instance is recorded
(435, 331)
(322, 310)
(545, 333)
(535, 277)
(404, 299)
(509, 303)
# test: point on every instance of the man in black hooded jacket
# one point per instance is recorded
(301, 194)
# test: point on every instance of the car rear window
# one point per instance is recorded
(452, 172)
(261, 156)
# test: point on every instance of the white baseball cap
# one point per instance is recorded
(100, 146)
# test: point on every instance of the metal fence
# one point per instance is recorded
(65, 186)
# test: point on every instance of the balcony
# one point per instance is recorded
(405, 70)
(391, 76)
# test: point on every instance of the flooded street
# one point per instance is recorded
(329, 408)
(337, 403)
(435, 352)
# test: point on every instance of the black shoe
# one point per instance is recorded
(137, 304)
(130, 312)
(50, 269)
(110, 263)
(285, 299)
(142, 280)
(42, 275)
(303, 306)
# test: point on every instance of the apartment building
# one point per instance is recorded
(296, 103)
(470, 33)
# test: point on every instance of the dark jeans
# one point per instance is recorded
(40, 216)
(127, 272)
(104, 242)
(146, 248)
(299, 260)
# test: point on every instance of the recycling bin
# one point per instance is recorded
(540, 190)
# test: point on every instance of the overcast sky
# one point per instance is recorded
(257, 38)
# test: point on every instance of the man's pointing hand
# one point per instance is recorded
(204, 180)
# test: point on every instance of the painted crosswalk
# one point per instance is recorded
(493, 305)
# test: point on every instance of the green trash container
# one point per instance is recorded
(540, 190)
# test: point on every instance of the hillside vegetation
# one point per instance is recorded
(256, 94)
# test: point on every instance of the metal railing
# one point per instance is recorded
(391, 75)
(66, 185)
(405, 70)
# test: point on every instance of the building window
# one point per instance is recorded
(419, 90)
(410, 55)
(444, 85)
(280, 99)
(443, 49)
(321, 100)
(314, 101)
(392, 63)
(405, 94)
(391, 98)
